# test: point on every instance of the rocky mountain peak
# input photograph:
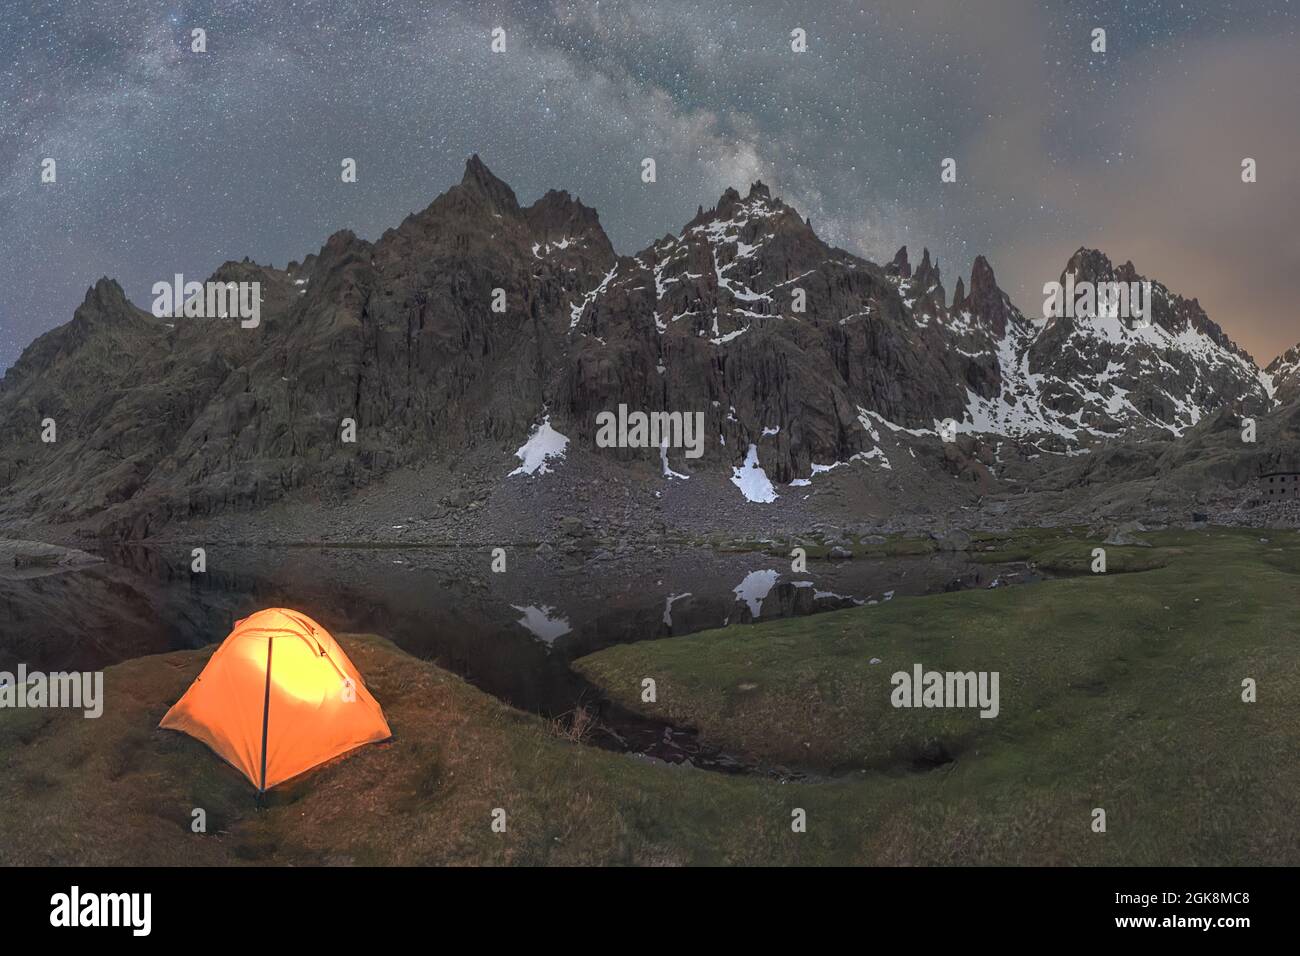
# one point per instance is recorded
(927, 286)
(728, 204)
(558, 218)
(927, 273)
(1283, 375)
(340, 247)
(105, 329)
(986, 300)
(480, 181)
(1128, 272)
(732, 206)
(1170, 312)
(1090, 265)
(899, 266)
(104, 299)
(982, 280)
(1166, 369)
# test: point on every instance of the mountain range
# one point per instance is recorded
(803, 358)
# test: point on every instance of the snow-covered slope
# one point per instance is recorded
(1283, 376)
(1071, 381)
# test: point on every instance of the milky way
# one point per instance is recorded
(174, 161)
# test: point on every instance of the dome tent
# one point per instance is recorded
(277, 698)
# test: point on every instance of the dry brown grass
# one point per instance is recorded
(575, 725)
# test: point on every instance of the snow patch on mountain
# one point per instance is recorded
(752, 480)
(543, 445)
(754, 589)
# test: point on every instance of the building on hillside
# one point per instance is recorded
(1279, 484)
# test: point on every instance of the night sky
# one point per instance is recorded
(171, 161)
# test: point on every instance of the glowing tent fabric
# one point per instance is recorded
(277, 698)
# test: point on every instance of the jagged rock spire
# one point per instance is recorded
(899, 265)
(480, 180)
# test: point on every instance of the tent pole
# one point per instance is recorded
(266, 714)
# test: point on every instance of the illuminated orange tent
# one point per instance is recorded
(277, 698)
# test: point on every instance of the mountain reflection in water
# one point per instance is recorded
(512, 634)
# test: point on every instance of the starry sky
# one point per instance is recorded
(174, 161)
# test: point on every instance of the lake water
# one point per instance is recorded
(512, 634)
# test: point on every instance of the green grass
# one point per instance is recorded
(1120, 691)
(118, 791)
